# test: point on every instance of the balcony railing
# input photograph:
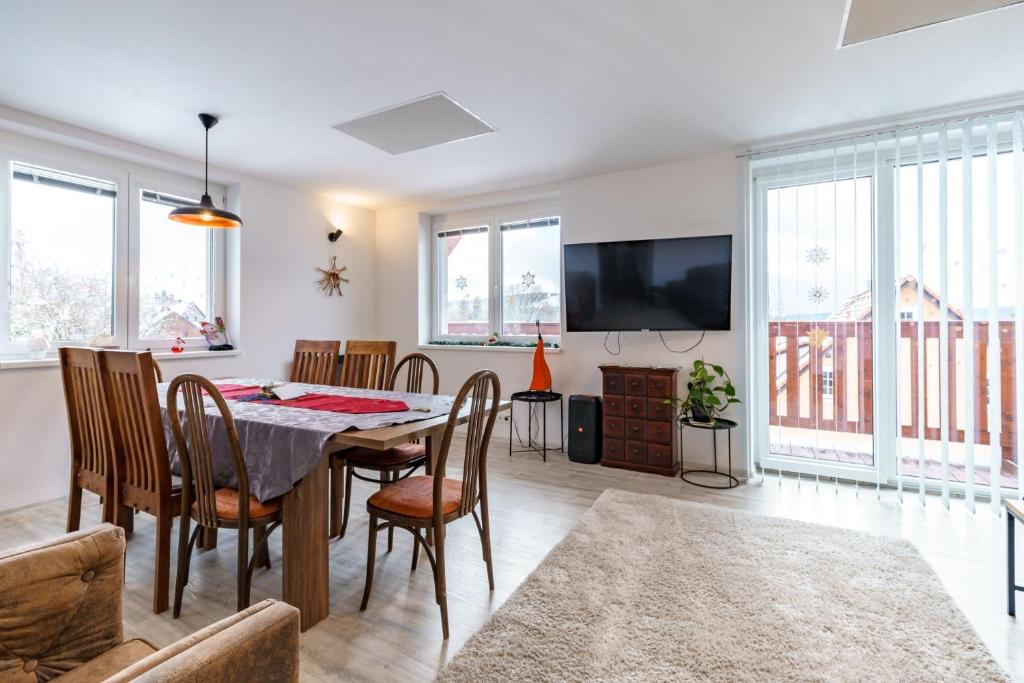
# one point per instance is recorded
(820, 378)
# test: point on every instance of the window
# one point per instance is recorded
(531, 276)
(61, 256)
(497, 274)
(463, 259)
(826, 383)
(87, 250)
(175, 295)
(906, 315)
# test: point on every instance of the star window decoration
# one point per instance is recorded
(817, 255)
(529, 279)
(461, 282)
(817, 337)
(817, 294)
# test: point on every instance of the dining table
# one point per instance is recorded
(287, 453)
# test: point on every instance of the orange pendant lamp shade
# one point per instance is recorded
(205, 213)
(541, 372)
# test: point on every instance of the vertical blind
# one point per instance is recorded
(893, 307)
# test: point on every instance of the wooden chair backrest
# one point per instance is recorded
(483, 391)
(414, 364)
(315, 362)
(195, 452)
(130, 384)
(92, 445)
(158, 373)
(368, 364)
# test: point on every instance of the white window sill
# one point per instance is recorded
(52, 361)
(484, 347)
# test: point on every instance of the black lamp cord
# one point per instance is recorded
(687, 350)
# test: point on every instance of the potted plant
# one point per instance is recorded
(709, 391)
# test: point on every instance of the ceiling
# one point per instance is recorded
(574, 87)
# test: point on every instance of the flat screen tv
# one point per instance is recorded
(681, 283)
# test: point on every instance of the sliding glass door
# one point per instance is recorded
(818, 225)
(888, 304)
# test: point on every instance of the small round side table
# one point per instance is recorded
(718, 425)
(543, 398)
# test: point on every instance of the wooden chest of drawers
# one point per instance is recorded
(638, 431)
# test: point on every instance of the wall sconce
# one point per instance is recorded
(333, 236)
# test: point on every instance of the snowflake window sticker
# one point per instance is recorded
(817, 294)
(817, 255)
(461, 282)
(528, 279)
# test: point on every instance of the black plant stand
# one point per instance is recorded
(543, 398)
(716, 426)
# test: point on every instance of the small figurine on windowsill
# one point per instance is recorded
(178, 346)
(216, 335)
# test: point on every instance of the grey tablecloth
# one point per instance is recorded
(282, 445)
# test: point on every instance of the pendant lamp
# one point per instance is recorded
(206, 214)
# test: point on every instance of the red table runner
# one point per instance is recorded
(327, 402)
(343, 404)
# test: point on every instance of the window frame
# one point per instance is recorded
(128, 180)
(492, 219)
(215, 255)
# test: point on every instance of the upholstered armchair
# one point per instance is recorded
(60, 618)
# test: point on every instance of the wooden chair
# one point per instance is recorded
(367, 365)
(145, 482)
(158, 374)
(388, 463)
(214, 507)
(92, 447)
(432, 502)
(315, 362)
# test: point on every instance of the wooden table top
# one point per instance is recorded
(395, 435)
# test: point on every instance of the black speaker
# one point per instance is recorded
(585, 429)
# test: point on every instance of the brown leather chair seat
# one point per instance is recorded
(227, 505)
(399, 455)
(414, 497)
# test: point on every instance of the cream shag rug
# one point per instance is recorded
(654, 589)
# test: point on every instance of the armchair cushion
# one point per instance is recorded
(60, 603)
(260, 643)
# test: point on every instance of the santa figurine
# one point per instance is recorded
(178, 346)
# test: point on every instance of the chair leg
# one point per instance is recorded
(485, 540)
(347, 469)
(391, 527)
(124, 517)
(242, 570)
(370, 556)
(415, 551)
(439, 581)
(261, 553)
(185, 544)
(75, 508)
(208, 538)
(338, 496)
(162, 568)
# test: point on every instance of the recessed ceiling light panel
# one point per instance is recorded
(870, 19)
(424, 122)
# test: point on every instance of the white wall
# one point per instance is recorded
(700, 197)
(284, 238)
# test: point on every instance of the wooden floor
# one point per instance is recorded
(534, 505)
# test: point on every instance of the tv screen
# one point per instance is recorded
(667, 284)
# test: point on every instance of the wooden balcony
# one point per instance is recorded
(830, 363)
